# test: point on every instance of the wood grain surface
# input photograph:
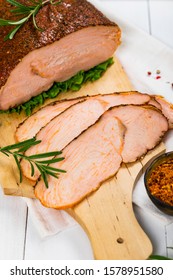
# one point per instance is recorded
(106, 215)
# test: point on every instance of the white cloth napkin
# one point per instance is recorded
(48, 221)
(139, 53)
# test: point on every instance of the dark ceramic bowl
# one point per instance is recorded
(161, 205)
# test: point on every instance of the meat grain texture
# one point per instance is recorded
(145, 127)
(31, 125)
(93, 157)
(167, 109)
(76, 36)
(88, 163)
(64, 127)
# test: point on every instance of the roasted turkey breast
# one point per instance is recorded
(166, 108)
(122, 134)
(31, 125)
(76, 36)
(145, 127)
(89, 160)
(64, 127)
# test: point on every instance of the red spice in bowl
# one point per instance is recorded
(159, 182)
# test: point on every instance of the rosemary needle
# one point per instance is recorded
(41, 161)
(28, 12)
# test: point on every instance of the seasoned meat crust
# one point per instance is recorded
(56, 21)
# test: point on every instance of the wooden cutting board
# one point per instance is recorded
(106, 215)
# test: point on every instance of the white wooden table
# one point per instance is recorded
(19, 238)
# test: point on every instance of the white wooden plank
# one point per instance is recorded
(136, 12)
(70, 244)
(161, 15)
(12, 229)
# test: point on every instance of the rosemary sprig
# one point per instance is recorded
(41, 161)
(28, 12)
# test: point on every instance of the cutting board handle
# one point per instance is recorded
(108, 217)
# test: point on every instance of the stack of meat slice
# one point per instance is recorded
(96, 134)
(65, 127)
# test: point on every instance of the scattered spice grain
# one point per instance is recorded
(158, 77)
(160, 182)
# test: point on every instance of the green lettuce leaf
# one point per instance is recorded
(73, 84)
